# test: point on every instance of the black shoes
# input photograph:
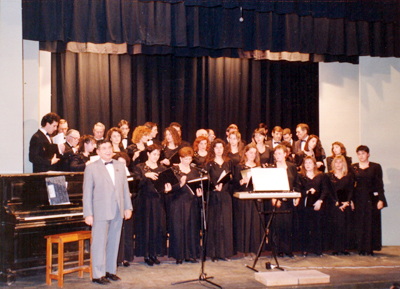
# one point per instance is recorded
(148, 261)
(345, 253)
(335, 253)
(191, 260)
(112, 277)
(178, 261)
(214, 259)
(124, 263)
(155, 260)
(101, 281)
(305, 254)
(280, 255)
(290, 255)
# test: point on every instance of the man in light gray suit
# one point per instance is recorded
(106, 202)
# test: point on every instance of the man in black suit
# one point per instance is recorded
(43, 154)
(71, 143)
(302, 133)
(276, 137)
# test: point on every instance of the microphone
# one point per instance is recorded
(193, 165)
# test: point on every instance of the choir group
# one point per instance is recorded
(338, 212)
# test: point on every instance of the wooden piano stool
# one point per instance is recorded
(60, 239)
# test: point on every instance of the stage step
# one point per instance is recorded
(296, 277)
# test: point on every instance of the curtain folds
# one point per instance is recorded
(196, 92)
(208, 29)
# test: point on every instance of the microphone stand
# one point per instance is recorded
(203, 275)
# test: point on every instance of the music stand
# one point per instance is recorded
(203, 275)
(268, 180)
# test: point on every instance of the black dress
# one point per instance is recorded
(235, 158)
(311, 221)
(78, 162)
(168, 153)
(150, 218)
(199, 160)
(265, 157)
(131, 150)
(368, 191)
(283, 223)
(219, 215)
(184, 225)
(248, 227)
(341, 190)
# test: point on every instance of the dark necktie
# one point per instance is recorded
(51, 141)
(109, 163)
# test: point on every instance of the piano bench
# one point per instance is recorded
(60, 239)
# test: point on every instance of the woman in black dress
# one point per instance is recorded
(137, 150)
(150, 217)
(258, 138)
(201, 146)
(170, 147)
(313, 193)
(369, 199)
(248, 228)
(114, 134)
(87, 144)
(341, 185)
(312, 148)
(338, 149)
(184, 213)
(235, 147)
(283, 223)
(219, 243)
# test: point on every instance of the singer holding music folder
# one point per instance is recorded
(220, 220)
(150, 218)
(184, 218)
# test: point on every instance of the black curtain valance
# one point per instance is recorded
(353, 10)
(190, 30)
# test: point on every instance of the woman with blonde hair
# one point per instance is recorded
(341, 185)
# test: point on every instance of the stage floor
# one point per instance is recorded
(354, 271)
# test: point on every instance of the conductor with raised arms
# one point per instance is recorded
(106, 202)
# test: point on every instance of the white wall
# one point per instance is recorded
(339, 106)
(359, 104)
(380, 121)
(11, 88)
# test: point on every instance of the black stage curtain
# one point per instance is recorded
(193, 31)
(196, 92)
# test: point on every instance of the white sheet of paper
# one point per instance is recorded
(59, 139)
(270, 179)
(52, 192)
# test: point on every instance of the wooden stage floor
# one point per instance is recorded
(354, 271)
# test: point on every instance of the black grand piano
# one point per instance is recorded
(26, 217)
